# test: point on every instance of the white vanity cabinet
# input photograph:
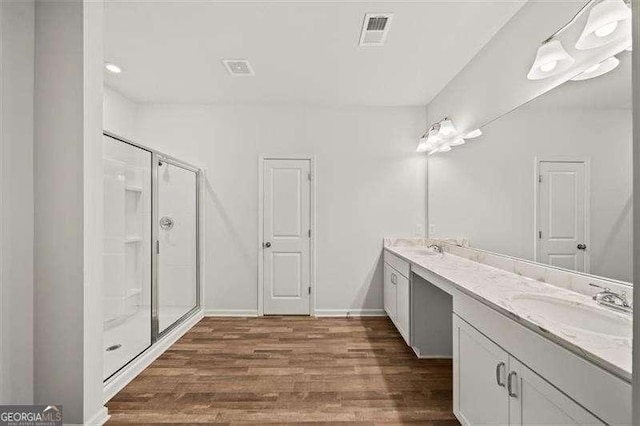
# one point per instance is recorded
(493, 387)
(396, 293)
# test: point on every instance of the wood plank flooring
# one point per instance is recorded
(289, 370)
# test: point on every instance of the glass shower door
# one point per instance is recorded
(126, 253)
(177, 218)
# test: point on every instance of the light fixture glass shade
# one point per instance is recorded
(608, 21)
(473, 134)
(597, 70)
(457, 141)
(447, 128)
(551, 59)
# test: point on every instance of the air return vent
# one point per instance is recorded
(238, 67)
(375, 29)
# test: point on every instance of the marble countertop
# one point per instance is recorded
(498, 289)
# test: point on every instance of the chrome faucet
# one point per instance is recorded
(436, 247)
(612, 299)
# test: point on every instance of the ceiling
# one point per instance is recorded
(301, 52)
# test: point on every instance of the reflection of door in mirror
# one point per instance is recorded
(562, 214)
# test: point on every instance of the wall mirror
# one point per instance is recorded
(550, 181)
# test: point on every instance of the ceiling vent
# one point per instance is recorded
(375, 29)
(238, 67)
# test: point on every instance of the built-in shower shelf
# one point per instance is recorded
(130, 240)
(132, 188)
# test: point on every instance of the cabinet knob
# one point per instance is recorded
(267, 244)
(394, 279)
(582, 246)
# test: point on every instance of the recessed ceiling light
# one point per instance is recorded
(113, 68)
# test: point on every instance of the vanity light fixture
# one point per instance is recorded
(473, 134)
(551, 59)
(598, 69)
(446, 128)
(608, 21)
(112, 68)
(443, 135)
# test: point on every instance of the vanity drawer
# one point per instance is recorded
(398, 264)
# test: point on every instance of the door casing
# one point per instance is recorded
(312, 224)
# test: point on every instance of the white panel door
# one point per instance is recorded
(286, 237)
(479, 378)
(562, 212)
(534, 402)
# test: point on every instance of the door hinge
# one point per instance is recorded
(539, 178)
(540, 235)
(309, 176)
(158, 246)
(309, 233)
(309, 289)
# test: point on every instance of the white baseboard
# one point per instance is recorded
(116, 383)
(350, 313)
(99, 418)
(230, 313)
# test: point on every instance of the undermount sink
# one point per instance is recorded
(576, 315)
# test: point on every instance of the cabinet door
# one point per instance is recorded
(533, 401)
(479, 377)
(389, 293)
(402, 304)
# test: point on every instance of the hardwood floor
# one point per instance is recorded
(289, 370)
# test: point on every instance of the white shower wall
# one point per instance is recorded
(127, 253)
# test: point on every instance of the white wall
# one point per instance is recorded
(484, 190)
(16, 201)
(119, 114)
(370, 184)
(68, 208)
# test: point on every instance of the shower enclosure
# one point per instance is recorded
(151, 248)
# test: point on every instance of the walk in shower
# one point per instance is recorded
(151, 248)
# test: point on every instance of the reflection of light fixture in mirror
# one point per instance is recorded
(598, 69)
(441, 136)
(423, 146)
(608, 21)
(446, 128)
(473, 134)
(551, 59)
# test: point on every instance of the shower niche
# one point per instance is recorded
(146, 291)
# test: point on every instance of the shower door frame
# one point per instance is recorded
(155, 320)
(155, 157)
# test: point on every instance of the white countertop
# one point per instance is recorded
(498, 288)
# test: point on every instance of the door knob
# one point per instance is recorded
(582, 246)
(267, 244)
